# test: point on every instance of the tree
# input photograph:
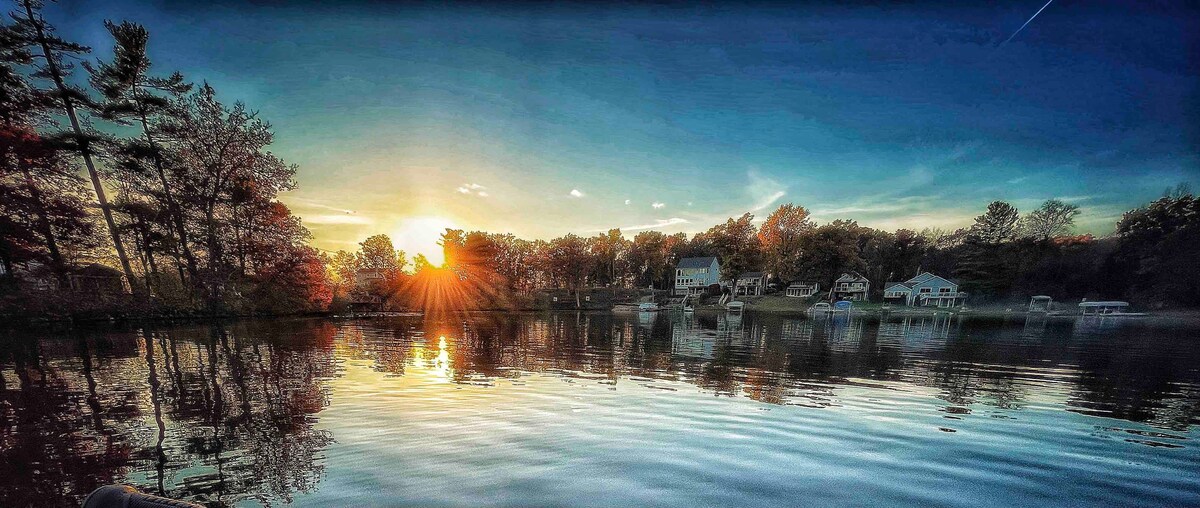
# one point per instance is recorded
(609, 249)
(132, 96)
(997, 225)
(31, 30)
(378, 253)
(736, 244)
(569, 263)
(1054, 218)
(781, 236)
(1156, 256)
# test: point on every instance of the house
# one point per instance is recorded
(693, 275)
(850, 286)
(802, 289)
(750, 284)
(924, 290)
(97, 279)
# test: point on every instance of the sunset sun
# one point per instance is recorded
(421, 235)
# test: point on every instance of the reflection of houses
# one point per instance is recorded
(693, 275)
(750, 284)
(851, 286)
(802, 289)
(924, 290)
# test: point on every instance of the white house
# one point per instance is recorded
(851, 286)
(750, 284)
(693, 275)
(924, 290)
(802, 289)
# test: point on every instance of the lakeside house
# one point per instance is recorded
(693, 275)
(924, 290)
(802, 289)
(750, 284)
(850, 286)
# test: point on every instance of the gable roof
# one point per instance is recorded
(800, 284)
(750, 275)
(926, 277)
(851, 277)
(892, 284)
(703, 262)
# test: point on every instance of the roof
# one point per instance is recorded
(1112, 303)
(851, 277)
(97, 270)
(750, 275)
(925, 276)
(703, 262)
(801, 284)
(894, 283)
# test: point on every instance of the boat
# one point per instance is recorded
(1110, 308)
(647, 307)
(820, 308)
(735, 306)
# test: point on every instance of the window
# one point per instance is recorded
(945, 290)
(926, 290)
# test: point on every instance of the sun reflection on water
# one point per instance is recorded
(439, 365)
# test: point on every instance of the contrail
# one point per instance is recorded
(1039, 11)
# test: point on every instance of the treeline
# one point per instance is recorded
(1003, 257)
(193, 224)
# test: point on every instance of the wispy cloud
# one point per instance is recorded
(764, 190)
(575, 193)
(1018, 179)
(659, 223)
(337, 219)
(472, 188)
(627, 201)
(658, 205)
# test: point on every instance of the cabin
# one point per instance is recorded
(850, 286)
(924, 290)
(750, 284)
(802, 289)
(694, 275)
(96, 279)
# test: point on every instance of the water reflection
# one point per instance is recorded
(231, 413)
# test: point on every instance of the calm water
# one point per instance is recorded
(608, 410)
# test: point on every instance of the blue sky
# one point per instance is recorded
(548, 119)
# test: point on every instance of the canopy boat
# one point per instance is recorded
(1112, 308)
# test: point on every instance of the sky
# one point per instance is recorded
(543, 119)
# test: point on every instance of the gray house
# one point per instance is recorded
(750, 284)
(850, 286)
(693, 275)
(802, 289)
(924, 290)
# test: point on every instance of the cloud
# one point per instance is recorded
(659, 223)
(658, 205)
(472, 188)
(336, 219)
(1018, 179)
(575, 193)
(627, 201)
(763, 190)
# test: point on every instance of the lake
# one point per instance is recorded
(598, 409)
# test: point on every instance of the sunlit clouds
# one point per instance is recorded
(472, 189)
(576, 193)
(657, 205)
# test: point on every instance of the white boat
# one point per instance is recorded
(735, 306)
(820, 308)
(1107, 309)
(648, 307)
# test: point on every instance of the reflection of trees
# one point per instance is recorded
(217, 414)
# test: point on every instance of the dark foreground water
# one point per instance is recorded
(608, 410)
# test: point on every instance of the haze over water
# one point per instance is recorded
(572, 409)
